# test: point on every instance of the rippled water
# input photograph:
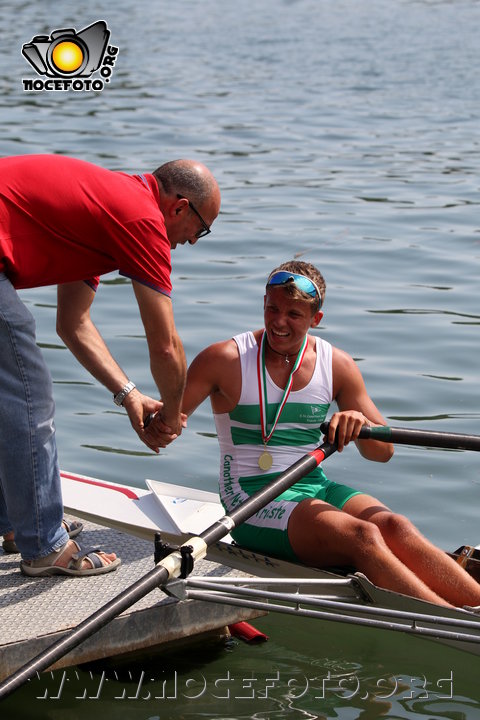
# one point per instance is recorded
(344, 133)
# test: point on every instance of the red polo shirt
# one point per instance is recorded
(63, 219)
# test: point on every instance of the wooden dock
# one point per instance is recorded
(35, 612)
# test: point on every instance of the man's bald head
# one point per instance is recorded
(189, 199)
(189, 178)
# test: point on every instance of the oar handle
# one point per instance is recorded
(411, 436)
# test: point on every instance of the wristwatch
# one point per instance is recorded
(120, 397)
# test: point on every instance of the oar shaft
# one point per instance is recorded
(160, 574)
(88, 627)
(411, 436)
(262, 497)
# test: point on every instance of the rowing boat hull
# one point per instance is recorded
(178, 513)
(175, 512)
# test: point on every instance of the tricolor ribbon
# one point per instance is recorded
(262, 387)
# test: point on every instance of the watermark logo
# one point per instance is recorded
(69, 59)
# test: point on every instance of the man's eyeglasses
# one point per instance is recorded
(206, 228)
(301, 281)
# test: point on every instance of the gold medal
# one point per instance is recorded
(265, 461)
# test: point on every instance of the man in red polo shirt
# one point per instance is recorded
(65, 222)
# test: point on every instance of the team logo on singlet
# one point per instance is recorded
(71, 60)
(312, 414)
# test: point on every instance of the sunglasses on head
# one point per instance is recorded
(303, 283)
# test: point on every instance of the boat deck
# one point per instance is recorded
(35, 612)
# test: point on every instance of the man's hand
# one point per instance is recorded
(139, 407)
(348, 423)
(158, 433)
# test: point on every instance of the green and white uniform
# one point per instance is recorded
(297, 433)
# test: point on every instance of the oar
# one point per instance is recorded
(170, 567)
(409, 436)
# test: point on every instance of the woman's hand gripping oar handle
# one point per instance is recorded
(410, 436)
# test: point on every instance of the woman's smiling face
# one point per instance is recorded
(287, 319)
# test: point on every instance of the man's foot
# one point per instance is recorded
(71, 559)
(73, 528)
(9, 545)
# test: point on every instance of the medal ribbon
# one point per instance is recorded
(262, 387)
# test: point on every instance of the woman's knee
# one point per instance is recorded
(366, 536)
(397, 527)
(318, 525)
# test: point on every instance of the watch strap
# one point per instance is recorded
(120, 397)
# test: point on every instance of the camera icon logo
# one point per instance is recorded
(66, 53)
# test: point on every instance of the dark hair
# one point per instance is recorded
(312, 273)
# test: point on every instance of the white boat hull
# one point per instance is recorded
(178, 513)
(174, 511)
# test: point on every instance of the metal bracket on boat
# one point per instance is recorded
(163, 549)
(362, 586)
(176, 589)
(186, 551)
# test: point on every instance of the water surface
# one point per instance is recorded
(344, 133)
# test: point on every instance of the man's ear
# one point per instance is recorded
(316, 319)
(179, 206)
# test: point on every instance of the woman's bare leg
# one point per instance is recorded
(430, 564)
(322, 536)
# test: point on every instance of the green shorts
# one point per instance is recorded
(267, 530)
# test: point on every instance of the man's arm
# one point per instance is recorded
(356, 408)
(78, 332)
(167, 357)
